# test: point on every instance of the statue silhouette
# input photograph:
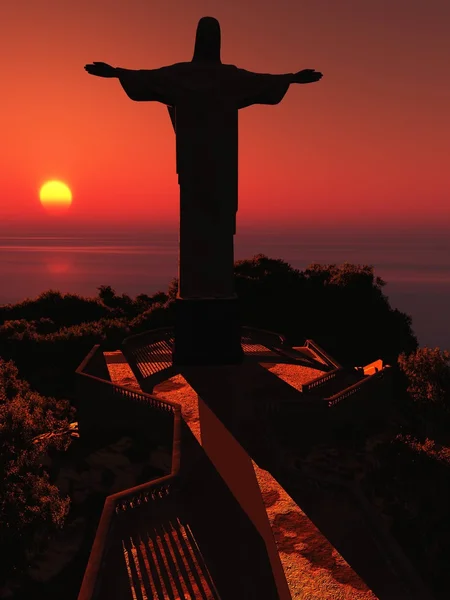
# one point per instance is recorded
(203, 97)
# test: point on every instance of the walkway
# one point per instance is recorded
(313, 568)
(205, 543)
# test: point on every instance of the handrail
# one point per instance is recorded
(265, 332)
(131, 393)
(132, 497)
(87, 359)
(321, 352)
(134, 348)
(156, 489)
(152, 333)
(160, 332)
(93, 361)
(321, 380)
(356, 387)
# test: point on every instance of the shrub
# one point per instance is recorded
(31, 508)
(63, 309)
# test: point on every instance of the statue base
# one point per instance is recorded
(207, 332)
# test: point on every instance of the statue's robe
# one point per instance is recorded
(203, 101)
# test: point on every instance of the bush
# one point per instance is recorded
(159, 315)
(64, 310)
(31, 508)
(342, 308)
(427, 381)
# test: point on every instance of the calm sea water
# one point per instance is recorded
(415, 266)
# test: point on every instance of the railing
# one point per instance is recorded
(147, 337)
(144, 494)
(101, 401)
(321, 380)
(141, 495)
(142, 398)
(114, 504)
(323, 355)
(263, 335)
(144, 364)
(276, 343)
(95, 389)
(361, 387)
(95, 364)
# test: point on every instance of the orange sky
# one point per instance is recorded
(369, 143)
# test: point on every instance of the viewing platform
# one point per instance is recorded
(229, 520)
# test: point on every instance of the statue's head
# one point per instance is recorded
(207, 41)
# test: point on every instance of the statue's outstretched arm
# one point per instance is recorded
(145, 85)
(303, 76)
(101, 69)
(265, 88)
(306, 76)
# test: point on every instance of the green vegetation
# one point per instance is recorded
(342, 307)
(404, 464)
(31, 507)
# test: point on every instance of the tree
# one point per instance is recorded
(342, 307)
(63, 309)
(106, 294)
(173, 289)
(269, 292)
(31, 507)
(427, 373)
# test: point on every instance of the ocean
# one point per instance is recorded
(415, 265)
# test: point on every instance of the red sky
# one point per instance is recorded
(369, 143)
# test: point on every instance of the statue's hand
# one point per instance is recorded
(307, 76)
(101, 69)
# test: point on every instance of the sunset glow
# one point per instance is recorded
(367, 146)
(55, 196)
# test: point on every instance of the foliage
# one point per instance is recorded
(343, 308)
(411, 489)
(427, 381)
(125, 306)
(428, 372)
(144, 302)
(173, 289)
(64, 310)
(159, 315)
(269, 291)
(30, 506)
(404, 466)
(49, 361)
(123, 303)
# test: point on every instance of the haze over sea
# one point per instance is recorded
(415, 264)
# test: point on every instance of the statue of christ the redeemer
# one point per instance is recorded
(203, 97)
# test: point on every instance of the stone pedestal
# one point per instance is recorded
(207, 332)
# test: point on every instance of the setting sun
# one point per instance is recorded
(55, 195)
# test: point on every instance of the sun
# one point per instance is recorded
(55, 196)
